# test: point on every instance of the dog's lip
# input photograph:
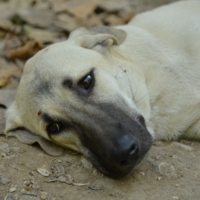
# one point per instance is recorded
(112, 171)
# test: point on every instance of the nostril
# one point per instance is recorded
(130, 154)
(124, 163)
(133, 149)
(125, 151)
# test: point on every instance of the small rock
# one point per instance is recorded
(166, 170)
(94, 187)
(61, 179)
(142, 173)
(4, 147)
(9, 197)
(159, 178)
(43, 195)
(15, 149)
(174, 197)
(94, 172)
(3, 154)
(31, 173)
(183, 146)
(61, 169)
(176, 185)
(87, 164)
(4, 180)
(31, 193)
(43, 172)
(12, 189)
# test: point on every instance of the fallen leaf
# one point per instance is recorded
(7, 96)
(66, 22)
(112, 20)
(24, 51)
(44, 36)
(112, 5)
(5, 10)
(92, 20)
(37, 17)
(78, 8)
(7, 26)
(7, 70)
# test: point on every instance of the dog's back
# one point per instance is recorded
(175, 25)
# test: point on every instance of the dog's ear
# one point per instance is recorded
(29, 138)
(13, 119)
(14, 127)
(98, 37)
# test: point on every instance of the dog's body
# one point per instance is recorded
(93, 92)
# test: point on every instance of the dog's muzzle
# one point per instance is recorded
(116, 142)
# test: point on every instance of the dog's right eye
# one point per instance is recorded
(54, 128)
(86, 83)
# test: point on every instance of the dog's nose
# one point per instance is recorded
(126, 151)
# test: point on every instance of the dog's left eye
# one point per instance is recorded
(87, 82)
(54, 128)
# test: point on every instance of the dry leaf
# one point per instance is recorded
(66, 22)
(25, 51)
(7, 70)
(40, 18)
(44, 36)
(92, 20)
(113, 5)
(59, 6)
(81, 8)
(5, 10)
(7, 96)
(112, 20)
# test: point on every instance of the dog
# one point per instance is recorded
(108, 92)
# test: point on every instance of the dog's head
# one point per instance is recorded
(77, 94)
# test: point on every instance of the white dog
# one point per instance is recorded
(106, 92)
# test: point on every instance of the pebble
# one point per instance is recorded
(9, 197)
(174, 197)
(61, 169)
(183, 146)
(31, 193)
(4, 147)
(15, 149)
(61, 179)
(3, 154)
(4, 180)
(94, 187)
(87, 164)
(167, 170)
(159, 178)
(43, 195)
(43, 172)
(12, 189)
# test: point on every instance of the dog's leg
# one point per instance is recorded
(193, 132)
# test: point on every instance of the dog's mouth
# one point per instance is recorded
(110, 169)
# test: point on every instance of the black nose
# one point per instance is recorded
(125, 151)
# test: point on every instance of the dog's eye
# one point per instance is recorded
(54, 128)
(87, 82)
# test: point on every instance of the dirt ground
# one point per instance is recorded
(170, 171)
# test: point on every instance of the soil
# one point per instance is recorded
(170, 171)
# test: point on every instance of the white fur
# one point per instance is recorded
(156, 71)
